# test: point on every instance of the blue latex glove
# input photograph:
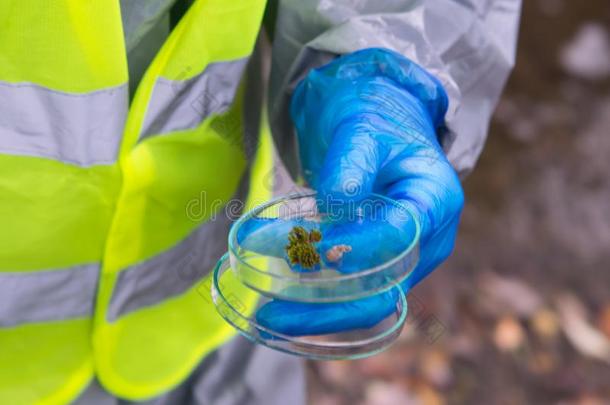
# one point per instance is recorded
(367, 122)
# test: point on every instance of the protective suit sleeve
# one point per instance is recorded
(468, 45)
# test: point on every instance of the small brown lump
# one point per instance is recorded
(336, 253)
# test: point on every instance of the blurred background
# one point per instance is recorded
(520, 314)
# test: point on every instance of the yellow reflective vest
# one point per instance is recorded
(103, 263)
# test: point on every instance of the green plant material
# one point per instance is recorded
(315, 236)
(301, 249)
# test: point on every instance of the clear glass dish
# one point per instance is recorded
(236, 304)
(381, 234)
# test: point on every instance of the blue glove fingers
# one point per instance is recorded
(350, 168)
(439, 204)
(302, 319)
(433, 252)
(382, 236)
(430, 184)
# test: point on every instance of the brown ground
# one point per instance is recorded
(523, 306)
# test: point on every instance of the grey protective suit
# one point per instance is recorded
(468, 44)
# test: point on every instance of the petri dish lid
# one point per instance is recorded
(237, 304)
(366, 247)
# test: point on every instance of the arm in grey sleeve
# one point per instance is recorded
(468, 44)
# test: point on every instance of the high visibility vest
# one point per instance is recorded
(103, 268)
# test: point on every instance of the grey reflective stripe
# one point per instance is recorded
(82, 129)
(49, 295)
(184, 104)
(171, 272)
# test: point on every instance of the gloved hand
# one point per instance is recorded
(367, 122)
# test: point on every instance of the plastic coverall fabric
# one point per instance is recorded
(468, 44)
(367, 123)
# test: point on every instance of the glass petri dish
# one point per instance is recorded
(234, 303)
(379, 238)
